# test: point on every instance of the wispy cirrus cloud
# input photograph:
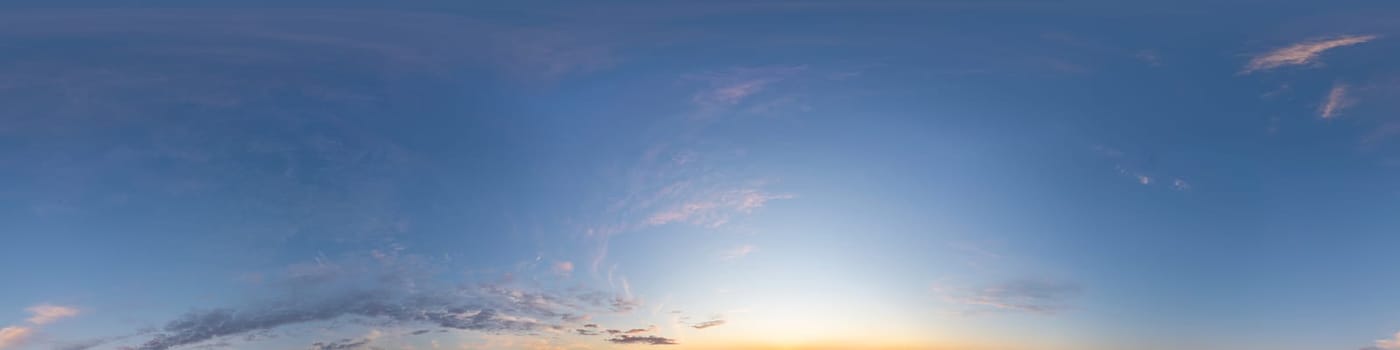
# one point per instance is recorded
(708, 324)
(715, 209)
(1023, 296)
(732, 87)
(1337, 100)
(738, 252)
(643, 339)
(1303, 53)
(47, 313)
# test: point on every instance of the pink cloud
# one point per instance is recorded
(738, 85)
(716, 209)
(13, 336)
(563, 267)
(1301, 53)
(45, 313)
(1392, 343)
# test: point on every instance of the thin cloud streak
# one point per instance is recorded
(45, 313)
(1301, 53)
(646, 339)
(715, 211)
(739, 252)
(1337, 100)
(708, 324)
(729, 88)
(1023, 296)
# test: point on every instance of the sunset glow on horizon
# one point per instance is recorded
(695, 175)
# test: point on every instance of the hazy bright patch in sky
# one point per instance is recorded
(1019, 175)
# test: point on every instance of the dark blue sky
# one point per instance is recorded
(700, 175)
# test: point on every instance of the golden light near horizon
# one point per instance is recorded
(697, 175)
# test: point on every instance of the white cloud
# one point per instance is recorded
(1180, 185)
(739, 252)
(1301, 53)
(45, 313)
(1337, 100)
(13, 336)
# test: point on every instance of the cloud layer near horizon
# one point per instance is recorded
(385, 292)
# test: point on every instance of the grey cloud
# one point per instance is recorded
(581, 331)
(199, 326)
(708, 324)
(614, 303)
(645, 339)
(343, 344)
(1029, 296)
(640, 330)
(400, 295)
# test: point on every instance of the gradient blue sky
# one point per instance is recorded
(1018, 175)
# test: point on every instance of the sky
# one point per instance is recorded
(752, 175)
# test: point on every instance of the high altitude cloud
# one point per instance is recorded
(739, 252)
(1029, 296)
(644, 339)
(1301, 53)
(1337, 100)
(732, 87)
(708, 324)
(45, 313)
(716, 210)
